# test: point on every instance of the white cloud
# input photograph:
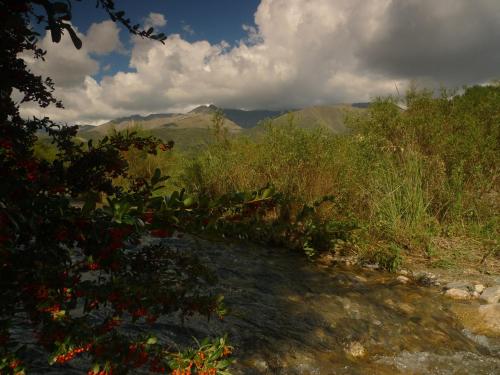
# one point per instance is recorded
(66, 65)
(300, 52)
(69, 67)
(155, 20)
(103, 38)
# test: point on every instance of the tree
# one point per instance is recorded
(63, 256)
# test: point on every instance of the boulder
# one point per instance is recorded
(464, 285)
(479, 288)
(491, 294)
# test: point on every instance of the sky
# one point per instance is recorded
(265, 54)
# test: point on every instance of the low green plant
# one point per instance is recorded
(389, 258)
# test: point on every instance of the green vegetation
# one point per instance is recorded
(331, 117)
(69, 276)
(412, 185)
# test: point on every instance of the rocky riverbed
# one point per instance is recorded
(292, 316)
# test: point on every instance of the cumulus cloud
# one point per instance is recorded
(69, 67)
(455, 42)
(103, 38)
(66, 65)
(299, 53)
(155, 20)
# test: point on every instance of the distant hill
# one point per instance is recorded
(328, 116)
(192, 128)
(85, 127)
(171, 126)
(250, 119)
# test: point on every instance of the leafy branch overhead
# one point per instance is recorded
(58, 18)
(69, 260)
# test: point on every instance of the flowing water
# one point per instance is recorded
(291, 316)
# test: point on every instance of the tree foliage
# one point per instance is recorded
(69, 263)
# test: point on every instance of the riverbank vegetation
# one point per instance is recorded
(413, 180)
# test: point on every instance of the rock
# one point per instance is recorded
(457, 293)
(327, 259)
(406, 308)
(371, 266)
(490, 316)
(355, 349)
(491, 294)
(475, 294)
(404, 272)
(427, 279)
(361, 278)
(403, 279)
(464, 285)
(258, 364)
(479, 288)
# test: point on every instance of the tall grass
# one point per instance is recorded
(406, 176)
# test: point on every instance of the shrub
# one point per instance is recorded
(70, 268)
(402, 175)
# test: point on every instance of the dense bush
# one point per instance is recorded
(71, 272)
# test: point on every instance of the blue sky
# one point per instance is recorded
(291, 54)
(213, 21)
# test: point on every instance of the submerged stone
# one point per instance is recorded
(457, 293)
(490, 316)
(355, 349)
(403, 279)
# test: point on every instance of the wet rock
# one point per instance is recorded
(479, 288)
(403, 279)
(355, 349)
(464, 285)
(457, 293)
(361, 278)
(406, 308)
(490, 316)
(427, 279)
(371, 266)
(491, 294)
(475, 294)
(404, 272)
(326, 259)
(258, 364)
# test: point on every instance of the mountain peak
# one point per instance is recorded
(204, 109)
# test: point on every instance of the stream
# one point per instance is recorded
(291, 316)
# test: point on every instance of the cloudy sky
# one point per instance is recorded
(267, 54)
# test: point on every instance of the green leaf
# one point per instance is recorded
(156, 176)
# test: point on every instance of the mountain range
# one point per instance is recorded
(193, 128)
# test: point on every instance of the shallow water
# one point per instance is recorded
(290, 316)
